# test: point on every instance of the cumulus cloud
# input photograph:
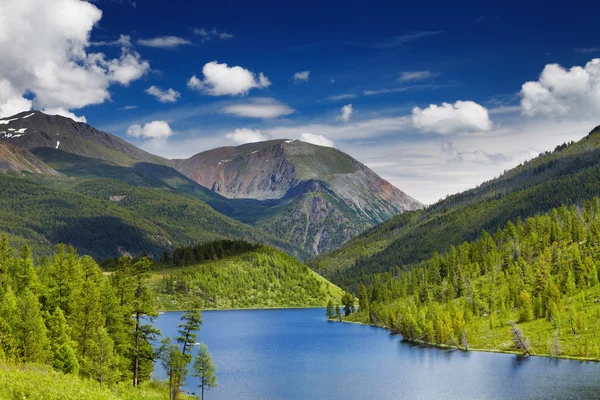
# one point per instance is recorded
(347, 111)
(462, 116)
(574, 92)
(317, 139)
(44, 54)
(164, 96)
(150, 130)
(245, 135)
(301, 76)
(410, 76)
(477, 156)
(164, 42)
(259, 108)
(220, 80)
(212, 34)
(64, 113)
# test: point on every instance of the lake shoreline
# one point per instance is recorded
(481, 350)
(245, 308)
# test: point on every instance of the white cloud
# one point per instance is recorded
(212, 34)
(410, 76)
(478, 156)
(301, 76)
(220, 79)
(150, 130)
(127, 108)
(64, 113)
(245, 135)
(164, 96)
(43, 47)
(574, 92)
(164, 42)
(343, 96)
(259, 108)
(122, 41)
(347, 111)
(462, 116)
(317, 139)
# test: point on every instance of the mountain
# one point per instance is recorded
(20, 160)
(568, 175)
(303, 198)
(34, 129)
(313, 196)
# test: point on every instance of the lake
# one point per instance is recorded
(297, 354)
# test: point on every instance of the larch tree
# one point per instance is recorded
(204, 370)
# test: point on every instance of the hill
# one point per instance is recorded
(568, 175)
(313, 196)
(541, 273)
(234, 274)
(107, 218)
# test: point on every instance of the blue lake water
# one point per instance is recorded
(297, 354)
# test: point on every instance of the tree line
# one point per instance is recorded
(65, 312)
(540, 269)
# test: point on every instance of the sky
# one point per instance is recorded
(435, 97)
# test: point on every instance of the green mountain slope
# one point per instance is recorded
(569, 175)
(229, 274)
(54, 210)
(541, 273)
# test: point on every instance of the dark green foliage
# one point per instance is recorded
(348, 302)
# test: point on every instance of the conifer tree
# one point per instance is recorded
(204, 370)
(29, 329)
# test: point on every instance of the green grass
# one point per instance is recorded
(38, 382)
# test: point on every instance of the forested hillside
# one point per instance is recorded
(107, 218)
(568, 175)
(236, 274)
(541, 273)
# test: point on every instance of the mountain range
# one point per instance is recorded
(569, 175)
(65, 176)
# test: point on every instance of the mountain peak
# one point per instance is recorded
(319, 195)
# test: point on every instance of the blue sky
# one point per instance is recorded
(429, 95)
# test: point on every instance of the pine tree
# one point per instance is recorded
(330, 313)
(142, 310)
(348, 302)
(362, 299)
(204, 370)
(29, 329)
(174, 364)
(62, 347)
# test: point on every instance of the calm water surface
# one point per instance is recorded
(296, 354)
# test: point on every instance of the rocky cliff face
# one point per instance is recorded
(319, 196)
(13, 159)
